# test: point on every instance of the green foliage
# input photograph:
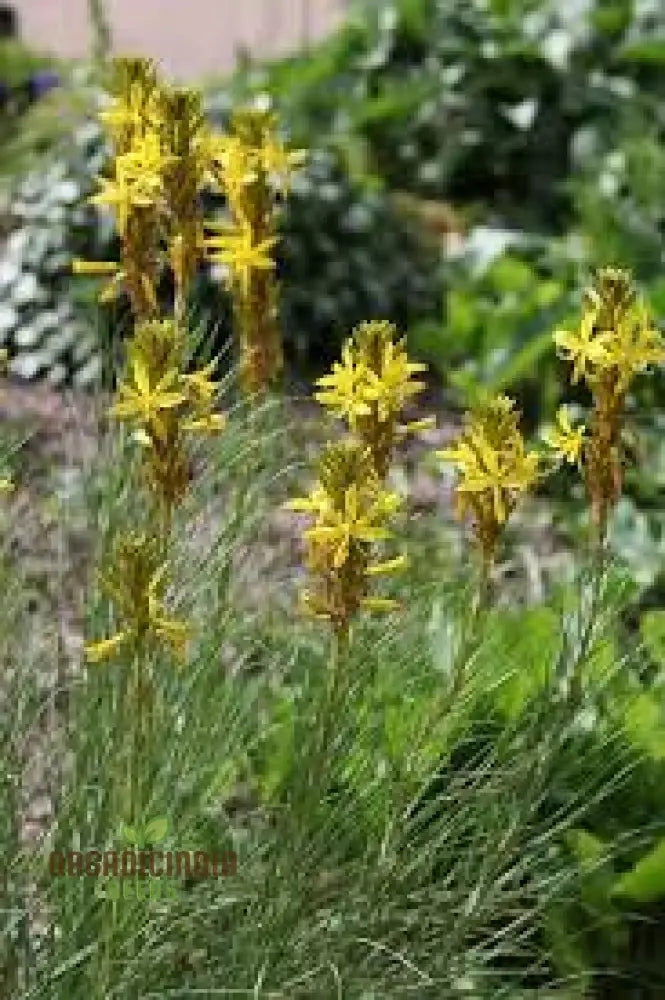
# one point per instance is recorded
(645, 882)
(470, 102)
(348, 254)
(497, 332)
(21, 126)
(17, 63)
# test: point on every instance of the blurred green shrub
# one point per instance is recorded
(478, 101)
(18, 63)
(496, 332)
(20, 72)
(348, 254)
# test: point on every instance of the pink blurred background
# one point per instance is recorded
(189, 37)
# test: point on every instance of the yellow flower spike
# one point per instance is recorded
(249, 167)
(494, 469)
(370, 387)
(351, 511)
(184, 140)
(566, 440)
(616, 335)
(166, 405)
(134, 194)
(135, 582)
(133, 81)
(636, 345)
(135, 186)
(616, 341)
(345, 390)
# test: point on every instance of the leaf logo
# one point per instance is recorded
(151, 833)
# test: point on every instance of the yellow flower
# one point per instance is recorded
(584, 347)
(133, 81)
(615, 336)
(487, 469)
(357, 518)
(392, 382)
(247, 166)
(140, 400)
(616, 341)
(370, 388)
(567, 440)
(239, 251)
(6, 485)
(635, 345)
(136, 184)
(351, 511)
(494, 468)
(136, 584)
(236, 167)
(374, 369)
(345, 390)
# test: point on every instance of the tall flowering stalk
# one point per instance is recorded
(184, 140)
(165, 407)
(350, 511)
(370, 387)
(252, 168)
(350, 503)
(615, 341)
(135, 581)
(161, 160)
(494, 470)
(350, 506)
(132, 83)
(133, 189)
